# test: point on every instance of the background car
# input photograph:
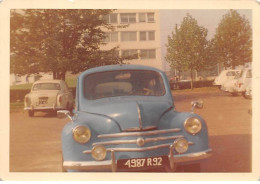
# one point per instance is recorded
(48, 95)
(230, 85)
(248, 92)
(224, 76)
(125, 120)
(244, 80)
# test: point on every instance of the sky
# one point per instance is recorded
(206, 18)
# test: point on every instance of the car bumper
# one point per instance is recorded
(111, 165)
(42, 108)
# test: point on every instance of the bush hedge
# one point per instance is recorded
(187, 84)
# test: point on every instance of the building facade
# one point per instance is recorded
(141, 37)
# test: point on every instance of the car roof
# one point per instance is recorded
(48, 81)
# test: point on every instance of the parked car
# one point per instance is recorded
(48, 95)
(125, 120)
(230, 86)
(248, 92)
(244, 80)
(224, 76)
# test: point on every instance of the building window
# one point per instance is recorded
(147, 35)
(148, 54)
(129, 53)
(150, 17)
(142, 36)
(111, 18)
(128, 17)
(111, 37)
(128, 36)
(142, 17)
(151, 35)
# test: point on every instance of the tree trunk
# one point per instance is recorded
(191, 81)
(54, 75)
(59, 75)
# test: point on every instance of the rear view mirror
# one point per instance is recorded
(63, 114)
(196, 104)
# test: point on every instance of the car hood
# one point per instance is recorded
(131, 115)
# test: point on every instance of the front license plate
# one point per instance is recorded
(136, 163)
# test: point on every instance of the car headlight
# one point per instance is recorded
(192, 125)
(81, 134)
(99, 152)
(181, 145)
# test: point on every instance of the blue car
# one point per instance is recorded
(125, 120)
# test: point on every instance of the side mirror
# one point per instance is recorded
(197, 103)
(63, 114)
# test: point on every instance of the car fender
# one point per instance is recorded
(174, 119)
(72, 150)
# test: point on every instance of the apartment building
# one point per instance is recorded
(141, 38)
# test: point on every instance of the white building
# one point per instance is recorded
(142, 36)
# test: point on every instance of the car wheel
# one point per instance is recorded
(188, 168)
(245, 95)
(31, 113)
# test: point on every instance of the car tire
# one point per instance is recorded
(245, 95)
(188, 168)
(30, 113)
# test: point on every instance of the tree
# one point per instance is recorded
(59, 40)
(187, 47)
(233, 40)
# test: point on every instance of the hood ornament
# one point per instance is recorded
(139, 116)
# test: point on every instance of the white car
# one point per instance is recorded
(248, 92)
(224, 76)
(48, 95)
(230, 86)
(244, 79)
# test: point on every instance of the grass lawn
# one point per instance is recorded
(16, 106)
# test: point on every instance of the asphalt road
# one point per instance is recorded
(35, 144)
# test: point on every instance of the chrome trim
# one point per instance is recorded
(134, 149)
(134, 129)
(139, 116)
(134, 141)
(125, 134)
(88, 166)
(193, 156)
(171, 157)
(113, 161)
(107, 165)
(42, 108)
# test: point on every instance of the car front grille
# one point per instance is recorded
(137, 141)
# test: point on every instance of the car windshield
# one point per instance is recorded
(123, 83)
(46, 86)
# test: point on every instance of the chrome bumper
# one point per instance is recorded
(42, 108)
(111, 165)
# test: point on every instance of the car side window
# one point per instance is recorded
(231, 73)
